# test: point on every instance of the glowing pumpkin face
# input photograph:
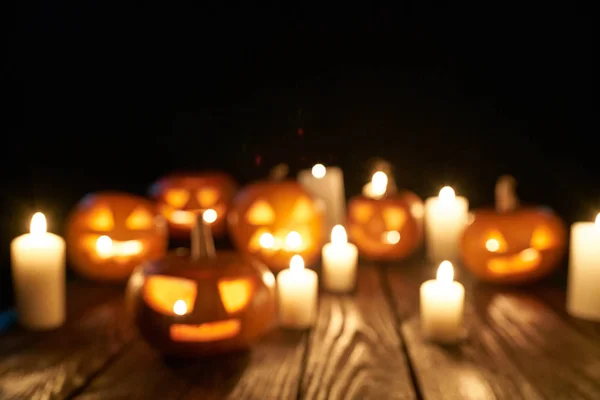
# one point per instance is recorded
(273, 221)
(181, 196)
(109, 234)
(386, 229)
(185, 307)
(514, 247)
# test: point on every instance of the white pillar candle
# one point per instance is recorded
(327, 185)
(339, 262)
(442, 306)
(38, 269)
(583, 294)
(297, 292)
(445, 219)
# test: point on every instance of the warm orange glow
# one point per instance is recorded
(209, 216)
(496, 242)
(293, 241)
(101, 219)
(417, 210)
(104, 246)
(260, 213)
(107, 248)
(391, 237)
(319, 171)
(525, 261)
(303, 210)
(162, 293)
(177, 197)
(180, 308)
(207, 197)
(38, 224)
(140, 219)
(394, 218)
(362, 212)
(235, 294)
(207, 332)
(542, 238)
(266, 241)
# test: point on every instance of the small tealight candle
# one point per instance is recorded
(442, 306)
(583, 296)
(327, 185)
(339, 262)
(38, 268)
(445, 219)
(297, 290)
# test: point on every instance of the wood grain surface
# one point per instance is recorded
(520, 345)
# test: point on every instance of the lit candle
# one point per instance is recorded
(442, 304)
(339, 262)
(38, 268)
(297, 290)
(378, 186)
(445, 219)
(327, 185)
(583, 294)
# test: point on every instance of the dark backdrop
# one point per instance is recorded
(110, 98)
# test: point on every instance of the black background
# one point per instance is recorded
(100, 98)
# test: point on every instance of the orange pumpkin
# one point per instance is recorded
(513, 244)
(181, 196)
(276, 219)
(385, 224)
(109, 234)
(203, 302)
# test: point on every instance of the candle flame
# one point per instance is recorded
(293, 241)
(38, 224)
(598, 220)
(180, 308)
(379, 182)
(338, 235)
(447, 194)
(266, 240)
(445, 272)
(209, 216)
(391, 237)
(319, 171)
(297, 263)
(492, 245)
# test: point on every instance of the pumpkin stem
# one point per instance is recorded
(506, 194)
(203, 245)
(279, 172)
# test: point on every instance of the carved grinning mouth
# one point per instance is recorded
(523, 261)
(187, 217)
(105, 248)
(206, 332)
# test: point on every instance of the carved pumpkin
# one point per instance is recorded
(513, 244)
(274, 220)
(201, 303)
(109, 234)
(385, 224)
(181, 196)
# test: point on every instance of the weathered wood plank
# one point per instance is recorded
(355, 351)
(59, 364)
(517, 348)
(271, 370)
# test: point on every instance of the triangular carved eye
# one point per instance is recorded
(101, 219)
(394, 218)
(303, 210)
(139, 219)
(207, 197)
(362, 212)
(177, 197)
(260, 213)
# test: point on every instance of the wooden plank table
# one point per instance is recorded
(521, 344)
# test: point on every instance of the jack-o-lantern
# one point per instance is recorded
(109, 234)
(201, 302)
(384, 223)
(276, 219)
(513, 244)
(183, 195)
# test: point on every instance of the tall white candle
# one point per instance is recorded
(442, 306)
(297, 290)
(583, 288)
(445, 219)
(339, 262)
(327, 185)
(38, 268)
